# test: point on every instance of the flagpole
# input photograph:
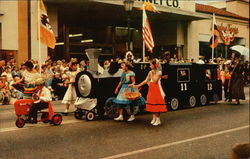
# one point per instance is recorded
(143, 43)
(39, 36)
(213, 37)
(143, 51)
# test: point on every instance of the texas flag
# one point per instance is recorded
(46, 33)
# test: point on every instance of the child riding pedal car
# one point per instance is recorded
(41, 100)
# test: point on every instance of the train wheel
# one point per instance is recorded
(57, 119)
(20, 123)
(44, 117)
(90, 116)
(203, 99)
(215, 98)
(174, 104)
(192, 101)
(78, 114)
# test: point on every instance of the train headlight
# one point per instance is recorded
(84, 85)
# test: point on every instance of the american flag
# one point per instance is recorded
(147, 33)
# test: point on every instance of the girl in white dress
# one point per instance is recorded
(70, 95)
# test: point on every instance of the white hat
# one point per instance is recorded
(129, 53)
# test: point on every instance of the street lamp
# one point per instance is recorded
(128, 5)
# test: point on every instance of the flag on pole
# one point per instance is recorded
(146, 32)
(149, 7)
(215, 34)
(46, 33)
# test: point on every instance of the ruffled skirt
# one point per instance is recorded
(155, 99)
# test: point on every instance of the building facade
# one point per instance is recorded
(232, 20)
(181, 28)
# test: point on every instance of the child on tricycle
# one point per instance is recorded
(29, 107)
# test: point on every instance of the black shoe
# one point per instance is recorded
(33, 121)
(237, 102)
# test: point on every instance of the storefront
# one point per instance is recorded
(233, 29)
(103, 24)
(180, 28)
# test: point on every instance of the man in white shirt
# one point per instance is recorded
(41, 100)
(200, 61)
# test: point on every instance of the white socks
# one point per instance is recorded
(120, 117)
(131, 118)
(153, 120)
(157, 121)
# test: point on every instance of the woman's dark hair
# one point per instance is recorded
(74, 63)
(129, 65)
(154, 62)
(29, 64)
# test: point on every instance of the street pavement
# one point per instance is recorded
(207, 132)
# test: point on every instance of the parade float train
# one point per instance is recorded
(188, 84)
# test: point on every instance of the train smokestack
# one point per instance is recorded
(93, 55)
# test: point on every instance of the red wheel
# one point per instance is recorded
(90, 116)
(20, 123)
(57, 119)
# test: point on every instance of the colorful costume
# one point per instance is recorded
(120, 100)
(29, 86)
(155, 97)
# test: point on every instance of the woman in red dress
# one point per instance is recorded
(155, 98)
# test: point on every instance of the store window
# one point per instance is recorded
(206, 51)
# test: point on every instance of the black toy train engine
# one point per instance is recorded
(187, 84)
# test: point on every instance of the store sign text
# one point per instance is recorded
(169, 3)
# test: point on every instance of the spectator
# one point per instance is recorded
(201, 60)
(16, 72)
(4, 90)
(166, 57)
(58, 86)
(8, 74)
(241, 151)
(48, 75)
(13, 90)
(129, 57)
(2, 66)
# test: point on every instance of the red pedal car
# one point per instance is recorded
(22, 108)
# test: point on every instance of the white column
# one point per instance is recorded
(192, 40)
(34, 40)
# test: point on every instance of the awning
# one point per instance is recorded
(169, 13)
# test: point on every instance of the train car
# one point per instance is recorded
(188, 84)
(191, 84)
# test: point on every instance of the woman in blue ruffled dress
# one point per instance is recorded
(127, 82)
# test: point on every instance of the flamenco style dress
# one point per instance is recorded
(155, 98)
